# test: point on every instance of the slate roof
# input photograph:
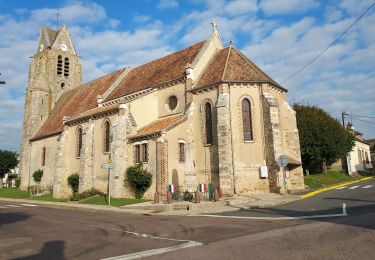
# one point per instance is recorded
(156, 72)
(159, 126)
(74, 102)
(229, 64)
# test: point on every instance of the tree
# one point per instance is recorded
(73, 182)
(8, 161)
(322, 138)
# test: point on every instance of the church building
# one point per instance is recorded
(205, 114)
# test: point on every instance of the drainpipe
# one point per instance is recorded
(231, 137)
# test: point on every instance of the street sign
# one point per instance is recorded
(107, 166)
(282, 161)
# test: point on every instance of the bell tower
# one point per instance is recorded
(55, 68)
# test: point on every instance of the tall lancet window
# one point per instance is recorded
(59, 65)
(208, 123)
(107, 136)
(246, 120)
(79, 142)
(66, 67)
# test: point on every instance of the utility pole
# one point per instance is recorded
(343, 118)
(2, 82)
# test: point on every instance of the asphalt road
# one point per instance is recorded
(45, 232)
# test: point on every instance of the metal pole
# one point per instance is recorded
(109, 187)
(343, 118)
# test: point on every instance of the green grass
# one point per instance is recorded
(102, 200)
(321, 180)
(14, 193)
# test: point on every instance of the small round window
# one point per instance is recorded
(172, 102)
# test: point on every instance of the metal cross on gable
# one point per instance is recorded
(57, 17)
(214, 25)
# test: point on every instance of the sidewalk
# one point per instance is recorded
(179, 208)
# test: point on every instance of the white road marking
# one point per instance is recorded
(146, 253)
(14, 206)
(342, 188)
(29, 205)
(2, 207)
(343, 214)
(367, 186)
(353, 187)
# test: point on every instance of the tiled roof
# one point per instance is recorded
(159, 125)
(74, 102)
(95, 111)
(154, 73)
(231, 65)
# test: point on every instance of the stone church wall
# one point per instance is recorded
(177, 90)
(249, 155)
(50, 144)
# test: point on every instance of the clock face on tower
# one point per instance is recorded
(63, 47)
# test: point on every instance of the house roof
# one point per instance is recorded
(159, 126)
(156, 72)
(230, 65)
(74, 102)
(95, 111)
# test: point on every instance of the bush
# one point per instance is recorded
(37, 175)
(18, 182)
(73, 182)
(89, 193)
(188, 196)
(139, 178)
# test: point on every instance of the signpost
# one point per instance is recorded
(108, 166)
(282, 161)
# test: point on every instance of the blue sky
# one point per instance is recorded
(279, 36)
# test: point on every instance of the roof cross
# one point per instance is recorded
(57, 18)
(214, 25)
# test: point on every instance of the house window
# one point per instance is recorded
(59, 65)
(141, 153)
(79, 142)
(367, 158)
(172, 102)
(43, 156)
(181, 148)
(246, 120)
(137, 154)
(144, 152)
(208, 122)
(66, 67)
(62, 86)
(359, 156)
(107, 136)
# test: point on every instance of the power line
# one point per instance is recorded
(362, 116)
(329, 46)
(363, 120)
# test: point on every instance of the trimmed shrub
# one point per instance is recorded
(139, 178)
(37, 175)
(73, 182)
(18, 182)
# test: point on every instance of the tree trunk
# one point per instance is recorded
(324, 166)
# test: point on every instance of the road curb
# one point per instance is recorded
(310, 194)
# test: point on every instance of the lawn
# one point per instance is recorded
(102, 200)
(15, 193)
(321, 180)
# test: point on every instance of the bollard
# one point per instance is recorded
(216, 195)
(156, 197)
(169, 197)
(197, 197)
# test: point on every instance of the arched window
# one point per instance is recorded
(59, 65)
(208, 123)
(66, 67)
(107, 136)
(62, 86)
(79, 142)
(43, 156)
(246, 120)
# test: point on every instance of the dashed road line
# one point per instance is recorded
(14, 206)
(146, 253)
(343, 187)
(29, 205)
(353, 187)
(367, 186)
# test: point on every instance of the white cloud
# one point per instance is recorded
(241, 6)
(272, 7)
(165, 4)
